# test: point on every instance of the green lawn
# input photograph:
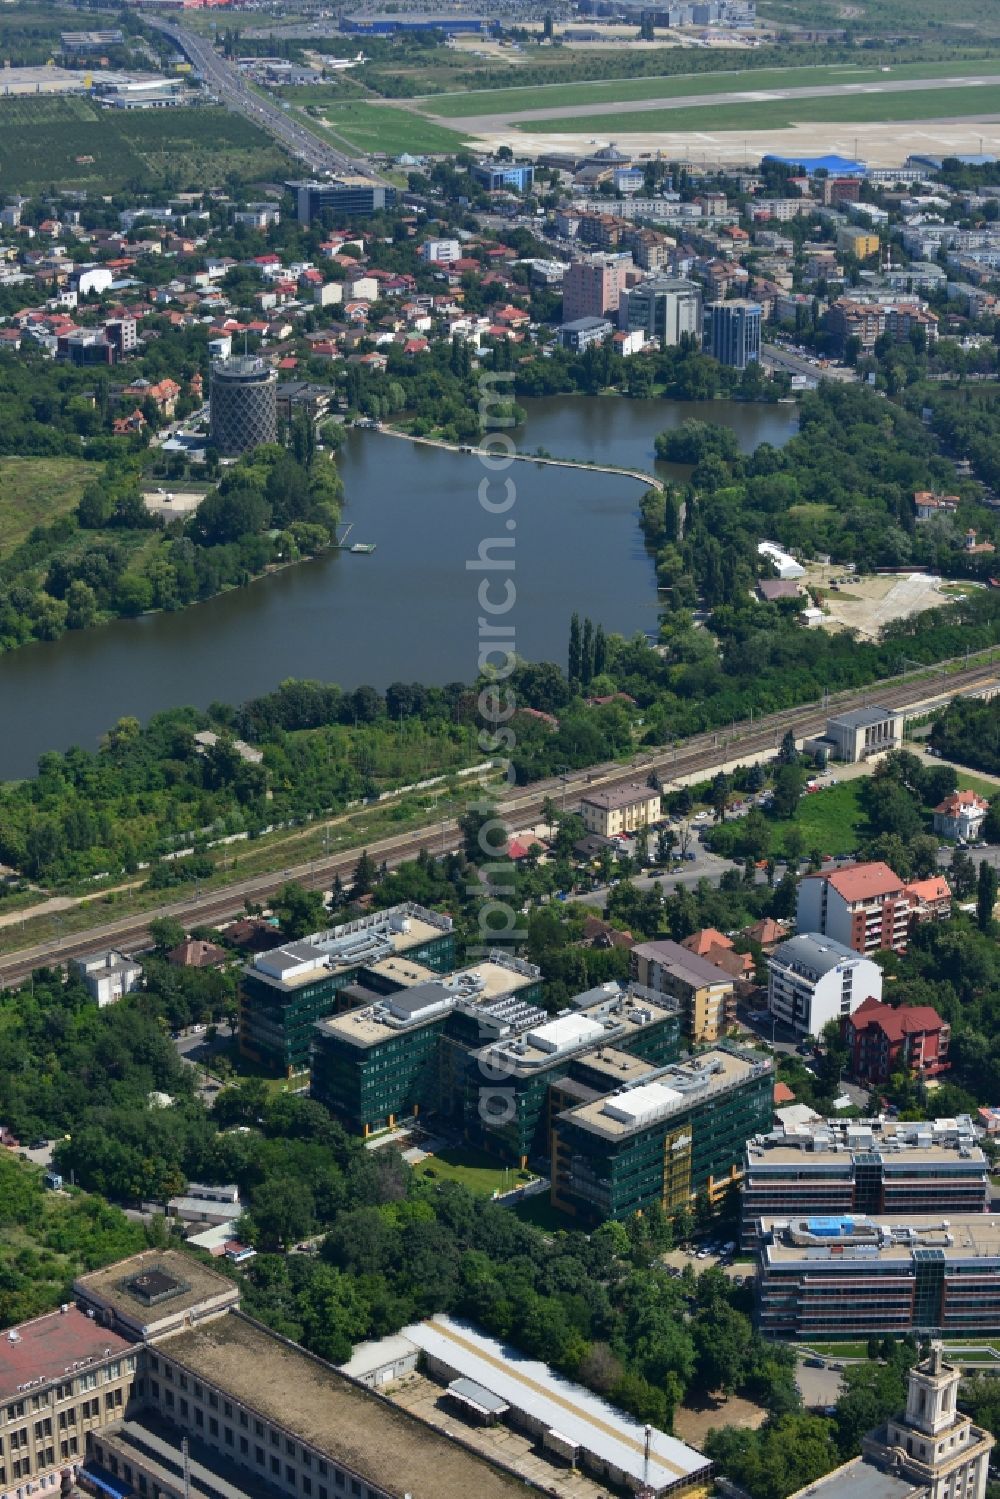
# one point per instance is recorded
(855, 109)
(829, 819)
(680, 86)
(34, 491)
(473, 1168)
(383, 127)
(968, 782)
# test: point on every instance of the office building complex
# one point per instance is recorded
(341, 196)
(662, 1138)
(705, 992)
(812, 979)
(609, 1035)
(869, 320)
(283, 992)
(858, 1277)
(383, 1061)
(494, 175)
(664, 308)
(257, 1415)
(583, 332)
(931, 1451)
(732, 332)
(243, 405)
(881, 1167)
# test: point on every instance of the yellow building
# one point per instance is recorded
(621, 809)
(858, 242)
(705, 992)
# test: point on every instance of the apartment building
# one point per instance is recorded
(883, 1040)
(813, 979)
(705, 992)
(592, 288)
(283, 992)
(868, 321)
(860, 1277)
(883, 1167)
(621, 809)
(62, 1376)
(862, 906)
(661, 1139)
(108, 976)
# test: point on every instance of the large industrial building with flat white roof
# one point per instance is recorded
(495, 1382)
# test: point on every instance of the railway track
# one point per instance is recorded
(703, 753)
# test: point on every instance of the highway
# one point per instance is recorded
(226, 82)
(700, 756)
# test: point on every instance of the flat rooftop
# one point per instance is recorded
(675, 1089)
(574, 1412)
(860, 1479)
(606, 1016)
(973, 1237)
(159, 1281)
(896, 1143)
(312, 1401)
(47, 1346)
(355, 944)
(482, 985)
(402, 971)
(864, 718)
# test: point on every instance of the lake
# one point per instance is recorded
(408, 612)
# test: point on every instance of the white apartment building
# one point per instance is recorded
(813, 979)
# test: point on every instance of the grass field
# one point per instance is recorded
(828, 820)
(380, 127)
(776, 114)
(969, 782)
(682, 86)
(34, 491)
(72, 142)
(474, 1169)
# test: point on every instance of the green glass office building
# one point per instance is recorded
(285, 991)
(661, 1138)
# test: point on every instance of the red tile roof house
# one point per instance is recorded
(718, 949)
(883, 1040)
(961, 815)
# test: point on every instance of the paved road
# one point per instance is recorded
(484, 123)
(228, 84)
(698, 758)
(783, 359)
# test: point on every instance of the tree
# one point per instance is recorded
(365, 874)
(788, 754)
(299, 910)
(986, 896)
(963, 873)
(788, 784)
(166, 932)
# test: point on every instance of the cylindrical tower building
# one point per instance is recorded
(243, 406)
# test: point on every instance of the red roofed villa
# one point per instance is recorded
(883, 1040)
